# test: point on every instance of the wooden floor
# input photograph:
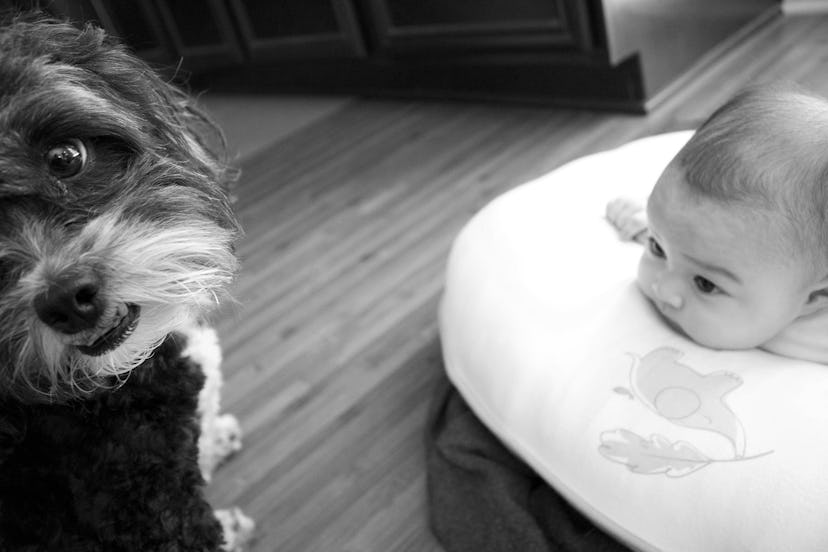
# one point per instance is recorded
(332, 354)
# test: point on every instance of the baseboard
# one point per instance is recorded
(794, 7)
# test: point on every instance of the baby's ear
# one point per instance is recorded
(818, 298)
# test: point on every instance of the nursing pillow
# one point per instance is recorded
(664, 444)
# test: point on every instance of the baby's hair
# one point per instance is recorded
(766, 149)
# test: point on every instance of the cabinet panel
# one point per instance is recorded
(298, 29)
(200, 32)
(407, 13)
(465, 26)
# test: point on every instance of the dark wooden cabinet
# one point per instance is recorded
(437, 27)
(298, 29)
(596, 53)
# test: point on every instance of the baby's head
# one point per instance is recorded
(739, 221)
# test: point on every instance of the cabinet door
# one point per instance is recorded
(298, 29)
(201, 32)
(463, 26)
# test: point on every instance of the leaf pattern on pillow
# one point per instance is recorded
(654, 455)
(678, 393)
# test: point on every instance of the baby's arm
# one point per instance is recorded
(629, 218)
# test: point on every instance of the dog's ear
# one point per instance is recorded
(207, 139)
(173, 113)
(183, 124)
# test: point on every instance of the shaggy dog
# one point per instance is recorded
(116, 239)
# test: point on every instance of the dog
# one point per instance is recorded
(116, 242)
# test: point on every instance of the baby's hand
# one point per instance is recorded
(628, 218)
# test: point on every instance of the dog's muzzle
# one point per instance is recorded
(74, 304)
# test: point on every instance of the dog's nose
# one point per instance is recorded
(72, 303)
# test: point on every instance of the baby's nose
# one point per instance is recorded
(666, 290)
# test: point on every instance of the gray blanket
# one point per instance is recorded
(482, 498)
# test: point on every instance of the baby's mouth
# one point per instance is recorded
(117, 334)
(663, 310)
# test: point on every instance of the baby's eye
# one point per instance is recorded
(655, 248)
(704, 285)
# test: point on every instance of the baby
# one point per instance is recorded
(736, 228)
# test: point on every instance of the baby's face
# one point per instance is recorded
(716, 275)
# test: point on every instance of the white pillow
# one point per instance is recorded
(665, 444)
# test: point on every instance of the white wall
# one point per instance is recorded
(805, 6)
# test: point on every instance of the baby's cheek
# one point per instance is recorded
(646, 276)
(720, 329)
(645, 289)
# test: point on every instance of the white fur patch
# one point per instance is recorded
(174, 272)
(220, 434)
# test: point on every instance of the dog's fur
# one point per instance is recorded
(116, 239)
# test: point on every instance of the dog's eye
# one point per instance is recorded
(66, 159)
